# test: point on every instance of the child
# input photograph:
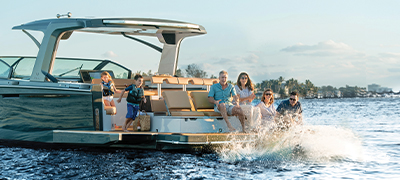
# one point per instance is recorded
(108, 89)
(133, 100)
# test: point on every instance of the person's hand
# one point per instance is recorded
(217, 102)
(119, 100)
(237, 104)
(252, 96)
(144, 100)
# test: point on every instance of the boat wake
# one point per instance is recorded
(299, 144)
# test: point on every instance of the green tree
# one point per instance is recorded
(179, 73)
(193, 70)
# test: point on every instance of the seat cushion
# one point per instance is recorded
(186, 113)
(176, 99)
(211, 113)
(200, 100)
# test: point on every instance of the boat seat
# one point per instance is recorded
(201, 103)
(119, 83)
(178, 104)
(158, 106)
(110, 110)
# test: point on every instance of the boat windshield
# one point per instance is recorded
(5, 68)
(64, 68)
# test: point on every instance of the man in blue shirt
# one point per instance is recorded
(289, 112)
(221, 96)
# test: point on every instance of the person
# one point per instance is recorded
(267, 107)
(289, 112)
(108, 89)
(221, 95)
(244, 89)
(135, 96)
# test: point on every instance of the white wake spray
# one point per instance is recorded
(304, 143)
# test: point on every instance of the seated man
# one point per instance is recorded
(221, 96)
(289, 112)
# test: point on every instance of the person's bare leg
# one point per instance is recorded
(112, 104)
(222, 110)
(128, 121)
(138, 123)
(237, 111)
(107, 103)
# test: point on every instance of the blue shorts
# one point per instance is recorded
(132, 111)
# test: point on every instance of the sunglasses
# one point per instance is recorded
(292, 99)
(243, 78)
(268, 94)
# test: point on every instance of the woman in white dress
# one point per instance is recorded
(267, 108)
(244, 89)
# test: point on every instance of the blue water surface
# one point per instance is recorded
(341, 139)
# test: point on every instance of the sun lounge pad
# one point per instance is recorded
(178, 103)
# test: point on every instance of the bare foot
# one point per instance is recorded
(231, 129)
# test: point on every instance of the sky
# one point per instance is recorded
(335, 43)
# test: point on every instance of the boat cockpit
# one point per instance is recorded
(64, 69)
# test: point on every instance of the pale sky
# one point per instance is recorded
(334, 43)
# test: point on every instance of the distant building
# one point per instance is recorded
(377, 88)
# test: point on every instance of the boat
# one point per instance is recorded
(58, 100)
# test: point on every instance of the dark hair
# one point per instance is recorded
(249, 84)
(294, 93)
(137, 76)
(272, 96)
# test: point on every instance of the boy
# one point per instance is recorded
(135, 96)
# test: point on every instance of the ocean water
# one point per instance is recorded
(340, 139)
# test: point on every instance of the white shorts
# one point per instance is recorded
(108, 98)
(228, 109)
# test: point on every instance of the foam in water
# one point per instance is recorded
(304, 143)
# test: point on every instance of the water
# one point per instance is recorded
(341, 139)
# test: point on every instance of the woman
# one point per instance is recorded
(267, 107)
(244, 89)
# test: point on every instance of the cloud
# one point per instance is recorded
(389, 45)
(325, 48)
(109, 54)
(245, 59)
(395, 70)
(392, 58)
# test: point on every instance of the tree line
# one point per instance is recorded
(280, 86)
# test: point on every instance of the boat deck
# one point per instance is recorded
(147, 140)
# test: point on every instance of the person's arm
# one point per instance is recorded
(120, 96)
(213, 101)
(300, 122)
(141, 95)
(236, 99)
(116, 90)
(252, 96)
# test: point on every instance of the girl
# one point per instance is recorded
(108, 89)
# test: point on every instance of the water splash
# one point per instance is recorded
(301, 143)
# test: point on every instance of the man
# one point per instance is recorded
(221, 96)
(289, 112)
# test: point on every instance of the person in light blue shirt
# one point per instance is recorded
(221, 95)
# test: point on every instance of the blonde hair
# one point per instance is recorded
(272, 96)
(105, 73)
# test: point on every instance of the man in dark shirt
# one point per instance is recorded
(289, 112)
